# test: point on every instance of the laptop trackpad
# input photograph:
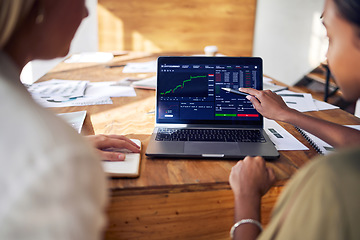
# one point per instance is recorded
(212, 148)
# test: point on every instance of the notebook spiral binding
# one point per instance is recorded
(312, 143)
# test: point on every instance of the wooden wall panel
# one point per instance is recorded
(177, 25)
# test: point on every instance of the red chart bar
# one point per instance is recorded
(248, 115)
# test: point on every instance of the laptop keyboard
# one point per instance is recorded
(210, 135)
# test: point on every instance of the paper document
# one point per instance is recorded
(303, 102)
(267, 80)
(357, 127)
(58, 87)
(65, 93)
(109, 89)
(273, 87)
(140, 67)
(75, 119)
(80, 101)
(90, 57)
(324, 105)
(282, 139)
(147, 83)
(268, 85)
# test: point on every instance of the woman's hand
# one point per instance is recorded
(250, 178)
(269, 104)
(102, 142)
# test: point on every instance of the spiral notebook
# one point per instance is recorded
(319, 145)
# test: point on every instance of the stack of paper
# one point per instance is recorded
(281, 138)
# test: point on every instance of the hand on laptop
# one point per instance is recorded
(102, 142)
(269, 104)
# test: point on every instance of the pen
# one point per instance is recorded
(115, 66)
(235, 91)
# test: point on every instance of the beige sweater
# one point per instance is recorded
(322, 201)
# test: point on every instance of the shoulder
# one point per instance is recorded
(340, 169)
(338, 172)
(46, 168)
(343, 163)
(49, 175)
(327, 186)
(36, 144)
(32, 136)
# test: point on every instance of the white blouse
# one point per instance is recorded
(52, 185)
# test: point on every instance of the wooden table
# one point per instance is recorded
(172, 199)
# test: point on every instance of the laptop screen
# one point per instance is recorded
(189, 90)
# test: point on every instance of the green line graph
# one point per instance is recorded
(181, 85)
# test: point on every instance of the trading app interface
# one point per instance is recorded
(194, 92)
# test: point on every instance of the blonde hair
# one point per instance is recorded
(11, 13)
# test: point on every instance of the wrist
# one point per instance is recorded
(245, 221)
(247, 206)
(247, 210)
(253, 197)
(290, 116)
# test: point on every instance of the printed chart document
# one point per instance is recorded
(303, 102)
(58, 88)
(67, 93)
(282, 139)
(130, 167)
(69, 102)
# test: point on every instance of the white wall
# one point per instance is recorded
(290, 38)
(86, 39)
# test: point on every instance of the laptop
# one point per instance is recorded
(196, 118)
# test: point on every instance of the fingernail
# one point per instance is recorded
(121, 157)
(248, 97)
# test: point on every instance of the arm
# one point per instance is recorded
(101, 142)
(271, 106)
(249, 180)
